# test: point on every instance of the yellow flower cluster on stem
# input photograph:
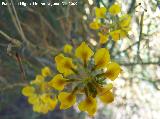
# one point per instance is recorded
(86, 71)
(82, 71)
(38, 93)
(115, 24)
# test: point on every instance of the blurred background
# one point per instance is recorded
(31, 36)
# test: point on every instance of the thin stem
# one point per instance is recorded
(140, 63)
(140, 36)
(12, 40)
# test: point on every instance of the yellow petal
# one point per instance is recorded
(44, 86)
(59, 58)
(46, 71)
(106, 88)
(68, 66)
(114, 9)
(123, 33)
(37, 108)
(44, 98)
(42, 103)
(40, 108)
(115, 35)
(58, 82)
(100, 12)
(94, 25)
(34, 99)
(125, 21)
(66, 99)
(103, 38)
(113, 70)
(107, 97)
(84, 52)
(101, 58)
(48, 102)
(39, 79)
(28, 91)
(65, 65)
(67, 48)
(53, 103)
(89, 105)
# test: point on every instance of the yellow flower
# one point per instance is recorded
(49, 102)
(113, 70)
(67, 48)
(114, 9)
(33, 99)
(107, 97)
(124, 22)
(94, 25)
(66, 99)
(39, 79)
(53, 103)
(103, 38)
(124, 27)
(59, 58)
(101, 58)
(84, 52)
(105, 94)
(28, 91)
(65, 65)
(44, 104)
(100, 12)
(123, 33)
(46, 71)
(89, 105)
(58, 82)
(44, 87)
(104, 89)
(39, 108)
(115, 35)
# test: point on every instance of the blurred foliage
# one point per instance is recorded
(35, 34)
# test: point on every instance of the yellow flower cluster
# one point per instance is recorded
(114, 25)
(82, 72)
(38, 93)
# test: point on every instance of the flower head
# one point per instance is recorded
(84, 52)
(46, 71)
(67, 48)
(94, 25)
(89, 105)
(66, 99)
(89, 79)
(100, 12)
(41, 101)
(114, 9)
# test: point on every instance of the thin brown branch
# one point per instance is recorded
(140, 63)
